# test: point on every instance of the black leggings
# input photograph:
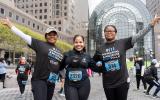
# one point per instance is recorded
(151, 84)
(42, 90)
(79, 91)
(2, 78)
(21, 84)
(118, 93)
(138, 79)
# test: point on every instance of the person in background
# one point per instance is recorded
(139, 69)
(89, 72)
(150, 76)
(3, 66)
(23, 70)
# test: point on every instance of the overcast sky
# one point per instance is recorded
(93, 3)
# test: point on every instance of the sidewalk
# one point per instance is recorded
(97, 93)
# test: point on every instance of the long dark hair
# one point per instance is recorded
(74, 38)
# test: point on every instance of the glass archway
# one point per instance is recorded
(129, 16)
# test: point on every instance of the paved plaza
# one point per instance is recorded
(97, 93)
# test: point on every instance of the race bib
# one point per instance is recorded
(24, 82)
(75, 75)
(53, 77)
(112, 66)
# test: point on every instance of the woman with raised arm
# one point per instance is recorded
(48, 58)
(111, 57)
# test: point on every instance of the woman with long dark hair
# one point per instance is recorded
(76, 62)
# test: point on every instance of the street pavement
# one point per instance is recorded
(97, 93)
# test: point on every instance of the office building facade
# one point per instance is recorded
(57, 13)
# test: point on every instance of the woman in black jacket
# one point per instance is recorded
(76, 62)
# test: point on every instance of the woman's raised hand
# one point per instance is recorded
(7, 22)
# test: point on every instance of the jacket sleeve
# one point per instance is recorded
(141, 34)
(63, 64)
(97, 56)
(154, 73)
(24, 36)
(92, 65)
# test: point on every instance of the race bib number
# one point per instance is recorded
(24, 82)
(112, 66)
(53, 78)
(75, 75)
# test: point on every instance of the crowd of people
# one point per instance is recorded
(109, 59)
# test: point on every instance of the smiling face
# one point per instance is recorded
(51, 37)
(78, 43)
(22, 60)
(110, 33)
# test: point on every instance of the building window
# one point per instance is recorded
(40, 11)
(33, 25)
(26, 11)
(40, 4)
(59, 22)
(37, 27)
(50, 22)
(65, 14)
(35, 11)
(59, 28)
(28, 22)
(57, 1)
(45, 4)
(23, 20)
(54, 22)
(45, 10)
(2, 11)
(40, 17)
(17, 17)
(10, 14)
(65, 8)
(36, 5)
(35, 16)
(57, 6)
(57, 12)
(65, 2)
(45, 16)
